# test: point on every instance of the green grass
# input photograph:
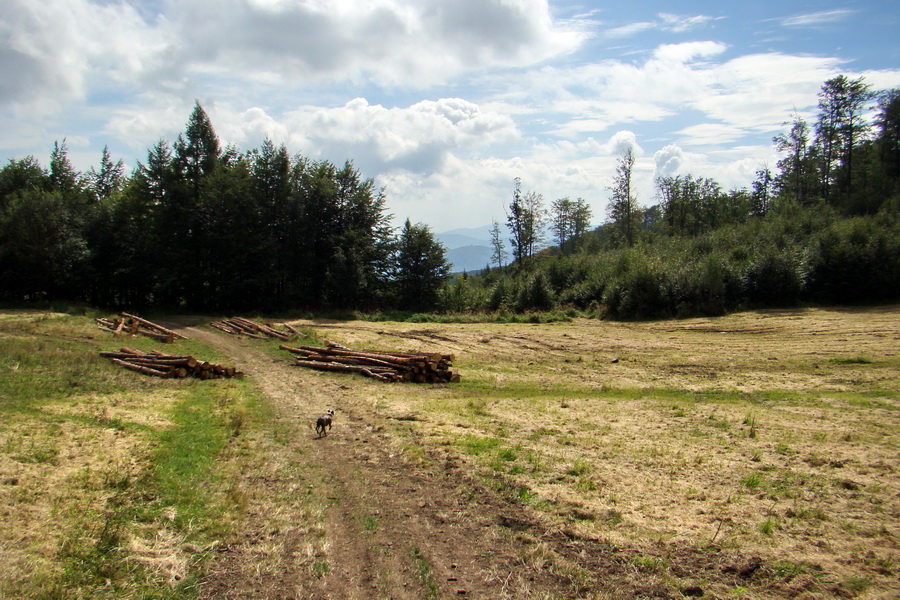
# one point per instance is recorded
(58, 397)
(426, 578)
(475, 445)
(851, 360)
(186, 456)
(768, 526)
(752, 481)
(370, 523)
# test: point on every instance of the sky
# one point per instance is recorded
(442, 102)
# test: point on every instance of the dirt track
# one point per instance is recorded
(434, 532)
(363, 513)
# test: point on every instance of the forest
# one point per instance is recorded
(202, 227)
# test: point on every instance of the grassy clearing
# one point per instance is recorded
(112, 485)
(771, 434)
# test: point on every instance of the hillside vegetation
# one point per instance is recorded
(202, 227)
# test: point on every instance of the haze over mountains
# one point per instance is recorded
(469, 248)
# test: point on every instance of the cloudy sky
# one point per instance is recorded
(442, 102)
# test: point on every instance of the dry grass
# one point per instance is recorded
(765, 434)
(771, 433)
(86, 450)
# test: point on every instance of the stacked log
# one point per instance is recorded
(134, 325)
(169, 366)
(416, 367)
(241, 326)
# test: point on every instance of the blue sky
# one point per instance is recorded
(442, 102)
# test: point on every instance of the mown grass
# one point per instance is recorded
(113, 478)
(772, 443)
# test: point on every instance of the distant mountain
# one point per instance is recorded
(467, 236)
(468, 248)
(469, 258)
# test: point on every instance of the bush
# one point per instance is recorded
(854, 261)
(534, 295)
(774, 278)
(638, 293)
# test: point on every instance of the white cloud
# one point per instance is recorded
(817, 18)
(140, 126)
(759, 91)
(623, 141)
(705, 134)
(687, 52)
(629, 30)
(669, 160)
(665, 22)
(681, 24)
(390, 42)
(52, 51)
(746, 95)
(416, 138)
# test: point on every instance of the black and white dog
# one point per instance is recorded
(323, 422)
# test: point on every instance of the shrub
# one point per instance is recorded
(854, 261)
(774, 278)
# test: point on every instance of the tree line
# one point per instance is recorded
(202, 227)
(821, 228)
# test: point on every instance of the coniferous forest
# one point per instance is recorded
(201, 227)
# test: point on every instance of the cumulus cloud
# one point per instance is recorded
(668, 160)
(623, 141)
(390, 42)
(52, 51)
(416, 138)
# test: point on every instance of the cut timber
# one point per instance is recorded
(242, 326)
(140, 368)
(134, 325)
(158, 364)
(424, 367)
(152, 325)
(293, 329)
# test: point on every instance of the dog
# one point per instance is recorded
(323, 422)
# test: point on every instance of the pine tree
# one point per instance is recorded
(109, 178)
(421, 267)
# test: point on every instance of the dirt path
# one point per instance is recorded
(392, 528)
(374, 511)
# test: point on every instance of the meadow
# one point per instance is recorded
(767, 435)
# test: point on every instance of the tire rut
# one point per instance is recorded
(393, 529)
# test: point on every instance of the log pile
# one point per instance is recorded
(241, 326)
(134, 325)
(169, 366)
(416, 367)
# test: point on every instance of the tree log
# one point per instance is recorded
(139, 368)
(153, 325)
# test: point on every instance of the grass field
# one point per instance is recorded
(111, 486)
(772, 435)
